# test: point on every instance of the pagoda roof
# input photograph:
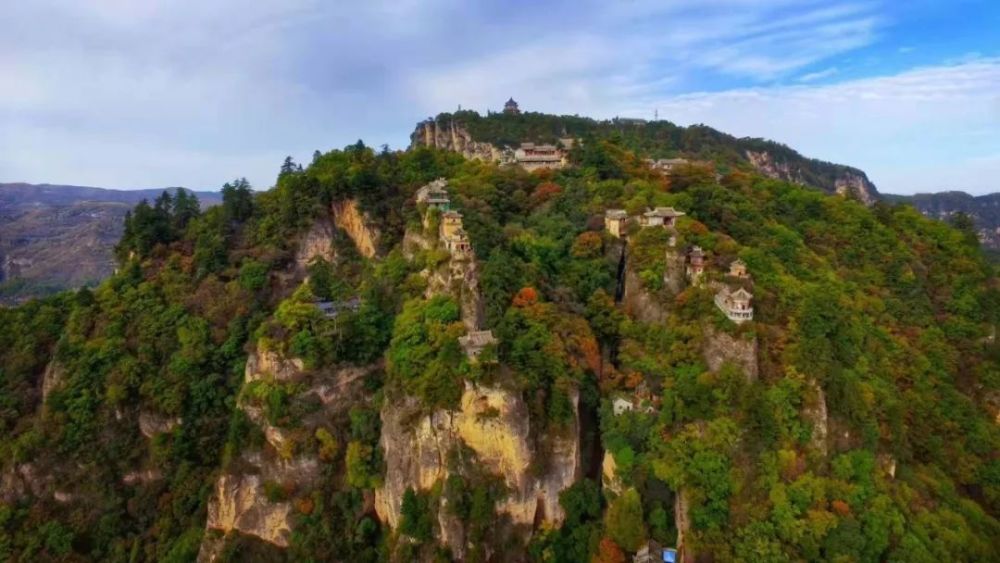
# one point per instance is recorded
(664, 212)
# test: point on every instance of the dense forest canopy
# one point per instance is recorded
(885, 318)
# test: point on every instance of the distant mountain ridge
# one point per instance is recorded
(476, 136)
(983, 209)
(54, 237)
(19, 194)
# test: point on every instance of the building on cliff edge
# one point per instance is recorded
(615, 221)
(735, 304)
(533, 156)
(660, 217)
(434, 195)
(475, 342)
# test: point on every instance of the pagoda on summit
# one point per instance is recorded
(511, 107)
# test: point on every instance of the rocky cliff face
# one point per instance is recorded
(459, 278)
(857, 185)
(766, 165)
(347, 216)
(815, 412)
(493, 422)
(240, 502)
(835, 179)
(641, 304)
(453, 137)
(983, 209)
(317, 243)
(456, 277)
(719, 348)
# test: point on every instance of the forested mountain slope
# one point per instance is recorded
(652, 139)
(983, 210)
(286, 376)
(55, 237)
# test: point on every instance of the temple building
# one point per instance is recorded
(534, 157)
(333, 309)
(434, 195)
(735, 304)
(451, 222)
(475, 342)
(454, 237)
(615, 221)
(696, 264)
(458, 245)
(511, 107)
(660, 217)
(621, 405)
(738, 269)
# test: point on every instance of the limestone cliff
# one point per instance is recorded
(52, 379)
(240, 501)
(857, 185)
(815, 412)
(610, 481)
(720, 347)
(453, 137)
(458, 277)
(317, 243)
(673, 273)
(766, 165)
(640, 303)
(349, 217)
(493, 422)
(829, 177)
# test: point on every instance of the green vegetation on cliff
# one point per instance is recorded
(853, 419)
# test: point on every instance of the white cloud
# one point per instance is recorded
(165, 92)
(813, 76)
(923, 130)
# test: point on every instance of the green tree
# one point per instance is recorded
(624, 522)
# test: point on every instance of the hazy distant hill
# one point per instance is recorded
(984, 210)
(53, 237)
(20, 195)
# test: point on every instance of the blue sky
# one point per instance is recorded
(119, 93)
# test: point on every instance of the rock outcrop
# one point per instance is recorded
(766, 165)
(720, 347)
(317, 243)
(640, 303)
(348, 216)
(21, 480)
(815, 412)
(452, 136)
(51, 379)
(832, 178)
(609, 478)
(270, 365)
(493, 422)
(674, 278)
(240, 501)
(851, 184)
(459, 278)
(151, 424)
